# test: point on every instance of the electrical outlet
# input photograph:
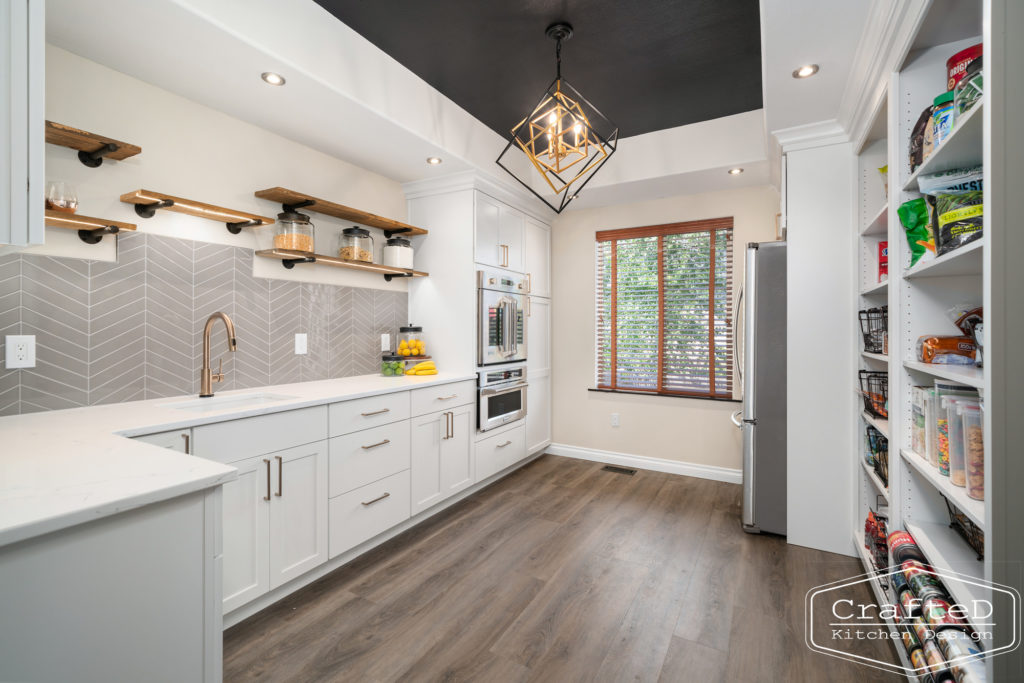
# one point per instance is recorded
(615, 419)
(385, 342)
(300, 344)
(20, 351)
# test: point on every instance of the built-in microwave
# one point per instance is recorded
(502, 396)
(501, 317)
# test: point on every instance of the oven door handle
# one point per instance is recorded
(497, 391)
(513, 323)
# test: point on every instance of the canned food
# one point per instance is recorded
(936, 663)
(918, 662)
(898, 582)
(963, 655)
(910, 639)
(928, 591)
(921, 629)
(902, 547)
(910, 604)
(937, 614)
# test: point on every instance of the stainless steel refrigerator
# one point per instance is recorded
(763, 375)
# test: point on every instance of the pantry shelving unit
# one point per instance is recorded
(986, 272)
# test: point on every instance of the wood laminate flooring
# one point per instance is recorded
(561, 572)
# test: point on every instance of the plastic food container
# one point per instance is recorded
(957, 443)
(974, 450)
(411, 342)
(397, 253)
(392, 366)
(942, 118)
(355, 244)
(293, 231)
(969, 90)
(956, 66)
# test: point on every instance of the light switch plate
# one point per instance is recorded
(385, 342)
(20, 351)
(300, 344)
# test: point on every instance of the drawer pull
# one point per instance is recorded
(502, 445)
(374, 445)
(378, 498)
(377, 412)
(267, 497)
(447, 398)
(187, 444)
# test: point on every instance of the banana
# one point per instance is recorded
(426, 372)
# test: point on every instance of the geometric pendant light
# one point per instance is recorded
(566, 139)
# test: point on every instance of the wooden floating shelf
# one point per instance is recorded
(92, 148)
(290, 199)
(90, 230)
(148, 202)
(289, 258)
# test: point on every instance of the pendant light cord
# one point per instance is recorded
(558, 59)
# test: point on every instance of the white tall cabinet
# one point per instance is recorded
(22, 88)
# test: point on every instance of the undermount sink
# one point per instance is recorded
(201, 405)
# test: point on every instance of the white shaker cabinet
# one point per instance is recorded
(298, 511)
(538, 374)
(510, 238)
(22, 79)
(247, 532)
(442, 456)
(537, 258)
(498, 233)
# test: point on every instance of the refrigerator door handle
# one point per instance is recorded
(748, 477)
(736, 338)
(748, 352)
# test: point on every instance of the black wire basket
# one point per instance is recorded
(878, 446)
(874, 386)
(874, 324)
(970, 532)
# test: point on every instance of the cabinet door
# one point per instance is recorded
(486, 231)
(246, 533)
(457, 451)
(538, 356)
(427, 434)
(510, 238)
(298, 511)
(538, 413)
(179, 440)
(537, 258)
(22, 80)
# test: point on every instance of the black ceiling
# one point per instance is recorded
(646, 64)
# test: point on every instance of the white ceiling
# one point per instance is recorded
(350, 100)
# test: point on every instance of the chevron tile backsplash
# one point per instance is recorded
(113, 332)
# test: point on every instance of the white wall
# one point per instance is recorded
(821, 319)
(676, 429)
(194, 152)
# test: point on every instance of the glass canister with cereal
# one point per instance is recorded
(411, 342)
(355, 244)
(293, 231)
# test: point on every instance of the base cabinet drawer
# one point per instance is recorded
(442, 397)
(498, 452)
(360, 515)
(362, 413)
(236, 440)
(364, 457)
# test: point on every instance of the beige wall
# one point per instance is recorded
(688, 430)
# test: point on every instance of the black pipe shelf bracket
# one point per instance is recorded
(397, 231)
(289, 263)
(235, 228)
(388, 276)
(292, 208)
(149, 210)
(96, 236)
(94, 159)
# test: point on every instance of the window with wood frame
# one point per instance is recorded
(664, 314)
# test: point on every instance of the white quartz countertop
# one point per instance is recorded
(65, 467)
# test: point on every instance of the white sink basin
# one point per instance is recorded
(236, 401)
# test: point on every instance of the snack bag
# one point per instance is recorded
(914, 217)
(959, 217)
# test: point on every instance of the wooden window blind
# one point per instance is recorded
(664, 309)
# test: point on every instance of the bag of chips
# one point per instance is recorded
(959, 218)
(914, 217)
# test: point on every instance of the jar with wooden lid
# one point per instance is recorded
(294, 231)
(355, 244)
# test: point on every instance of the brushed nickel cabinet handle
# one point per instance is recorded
(267, 497)
(374, 445)
(447, 425)
(280, 475)
(451, 425)
(378, 498)
(502, 445)
(376, 412)
(447, 398)
(529, 283)
(188, 448)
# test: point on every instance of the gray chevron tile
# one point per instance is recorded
(252, 323)
(46, 387)
(316, 301)
(10, 392)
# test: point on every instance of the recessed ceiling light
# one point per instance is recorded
(272, 78)
(434, 161)
(735, 171)
(806, 71)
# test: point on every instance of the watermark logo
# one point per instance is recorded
(948, 627)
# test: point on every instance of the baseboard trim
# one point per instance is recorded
(643, 462)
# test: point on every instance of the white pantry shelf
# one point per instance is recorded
(966, 260)
(876, 289)
(946, 550)
(875, 480)
(974, 509)
(879, 223)
(964, 374)
(962, 149)
(878, 423)
(875, 356)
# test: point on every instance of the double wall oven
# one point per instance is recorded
(501, 348)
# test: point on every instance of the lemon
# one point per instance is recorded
(403, 344)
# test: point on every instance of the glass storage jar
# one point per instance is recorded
(293, 231)
(397, 253)
(411, 343)
(355, 244)
(392, 366)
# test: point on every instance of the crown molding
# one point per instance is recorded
(503, 191)
(887, 38)
(818, 134)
